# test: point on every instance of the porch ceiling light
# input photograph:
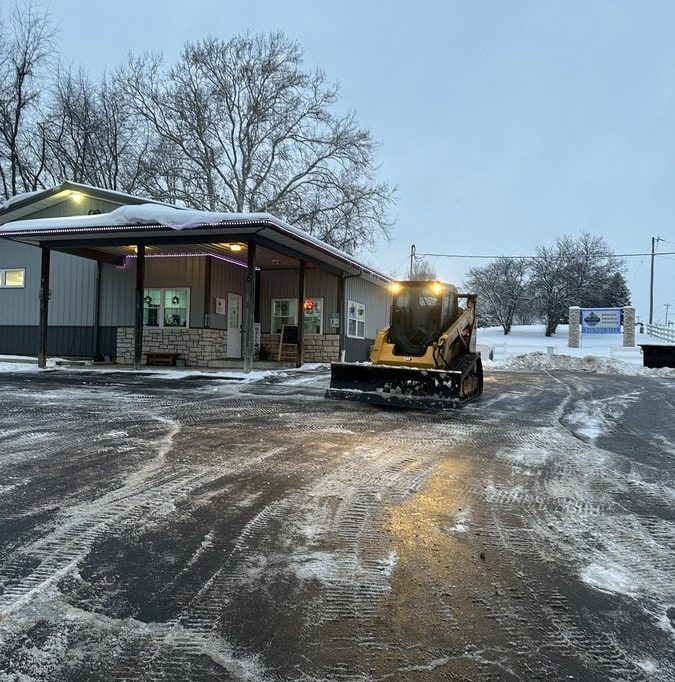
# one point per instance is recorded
(437, 288)
(395, 287)
(231, 246)
(77, 197)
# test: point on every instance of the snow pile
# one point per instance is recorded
(22, 366)
(588, 363)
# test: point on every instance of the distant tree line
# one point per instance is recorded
(238, 126)
(578, 271)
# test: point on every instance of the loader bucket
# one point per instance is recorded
(400, 386)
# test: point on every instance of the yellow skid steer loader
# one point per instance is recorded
(425, 358)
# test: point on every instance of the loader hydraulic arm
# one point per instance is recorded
(459, 337)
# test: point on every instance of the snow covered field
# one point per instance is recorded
(526, 347)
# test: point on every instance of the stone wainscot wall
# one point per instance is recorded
(196, 346)
(324, 348)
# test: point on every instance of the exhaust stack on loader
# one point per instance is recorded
(425, 358)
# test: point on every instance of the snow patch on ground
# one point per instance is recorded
(23, 366)
(320, 566)
(388, 564)
(586, 422)
(612, 579)
(461, 522)
(527, 456)
(646, 665)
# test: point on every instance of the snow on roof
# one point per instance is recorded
(17, 198)
(141, 216)
(69, 186)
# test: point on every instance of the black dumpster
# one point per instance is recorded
(658, 355)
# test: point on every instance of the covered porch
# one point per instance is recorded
(212, 289)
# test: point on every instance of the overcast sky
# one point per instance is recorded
(503, 124)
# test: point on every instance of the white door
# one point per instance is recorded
(233, 326)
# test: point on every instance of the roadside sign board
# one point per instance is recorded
(601, 320)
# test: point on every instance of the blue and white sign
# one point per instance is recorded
(601, 320)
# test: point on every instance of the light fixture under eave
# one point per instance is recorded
(77, 197)
(232, 246)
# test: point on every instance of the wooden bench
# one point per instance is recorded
(161, 359)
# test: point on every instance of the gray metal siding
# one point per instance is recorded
(71, 283)
(68, 207)
(118, 284)
(20, 306)
(284, 284)
(377, 300)
(225, 278)
(61, 341)
(357, 350)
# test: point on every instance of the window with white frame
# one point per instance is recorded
(14, 278)
(313, 318)
(284, 311)
(356, 320)
(166, 308)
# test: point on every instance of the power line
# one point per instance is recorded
(599, 255)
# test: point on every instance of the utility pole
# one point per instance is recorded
(655, 240)
(412, 258)
(667, 306)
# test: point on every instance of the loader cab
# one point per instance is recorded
(420, 312)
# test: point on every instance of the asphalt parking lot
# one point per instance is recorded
(201, 529)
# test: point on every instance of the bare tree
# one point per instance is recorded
(242, 126)
(571, 272)
(91, 135)
(422, 270)
(501, 287)
(26, 50)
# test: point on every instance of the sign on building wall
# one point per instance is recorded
(601, 320)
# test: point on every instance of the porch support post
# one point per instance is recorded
(249, 308)
(341, 309)
(138, 318)
(97, 311)
(44, 307)
(301, 312)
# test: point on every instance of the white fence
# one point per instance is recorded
(661, 333)
(501, 351)
(626, 354)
